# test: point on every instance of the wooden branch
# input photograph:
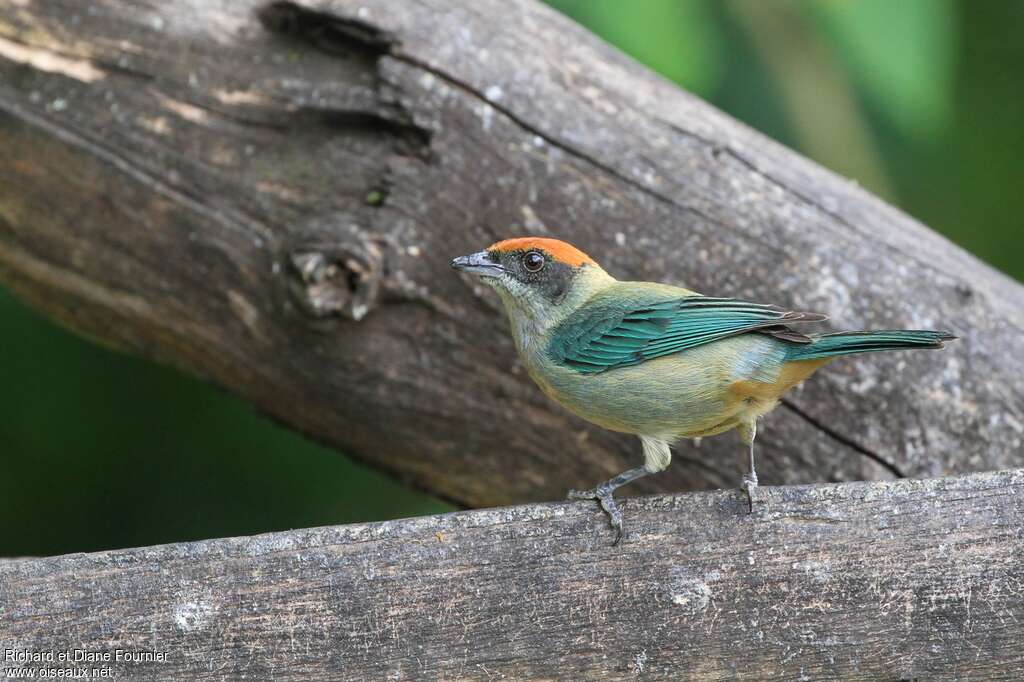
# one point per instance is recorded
(863, 581)
(268, 195)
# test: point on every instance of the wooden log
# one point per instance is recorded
(267, 194)
(856, 581)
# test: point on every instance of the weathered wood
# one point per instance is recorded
(268, 195)
(857, 581)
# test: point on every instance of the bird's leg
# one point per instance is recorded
(657, 456)
(747, 433)
(603, 494)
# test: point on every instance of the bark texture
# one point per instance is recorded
(858, 581)
(268, 195)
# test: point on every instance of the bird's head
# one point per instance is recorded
(536, 277)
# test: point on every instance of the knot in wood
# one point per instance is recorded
(340, 279)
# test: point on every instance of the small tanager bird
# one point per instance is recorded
(655, 360)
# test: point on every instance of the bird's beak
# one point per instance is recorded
(478, 264)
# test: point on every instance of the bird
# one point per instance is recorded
(655, 360)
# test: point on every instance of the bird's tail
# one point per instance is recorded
(848, 343)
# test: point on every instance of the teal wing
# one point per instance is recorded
(609, 333)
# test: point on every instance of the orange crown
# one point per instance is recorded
(557, 249)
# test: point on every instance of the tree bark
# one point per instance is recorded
(268, 195)
(855, 581)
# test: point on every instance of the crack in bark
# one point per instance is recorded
(717, 149)
(554, 142)
(841, 438)
(345, 37)
(329, 32)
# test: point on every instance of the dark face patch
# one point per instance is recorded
(551, 280)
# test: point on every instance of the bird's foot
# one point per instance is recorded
(750, 486)
(603, 494)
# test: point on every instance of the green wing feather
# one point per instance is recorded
(618, 331)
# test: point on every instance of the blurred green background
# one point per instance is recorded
(921, 101)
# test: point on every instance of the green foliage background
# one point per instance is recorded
(922, 101)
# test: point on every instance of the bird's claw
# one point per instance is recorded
(750, 486)
(604, 496)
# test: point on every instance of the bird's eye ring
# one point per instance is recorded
(533, 261)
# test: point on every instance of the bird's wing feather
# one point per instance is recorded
(616, 331)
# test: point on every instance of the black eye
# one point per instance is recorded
(533, 261)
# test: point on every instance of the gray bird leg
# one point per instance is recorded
(656, 458)
(747, 433)
(603, 494)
